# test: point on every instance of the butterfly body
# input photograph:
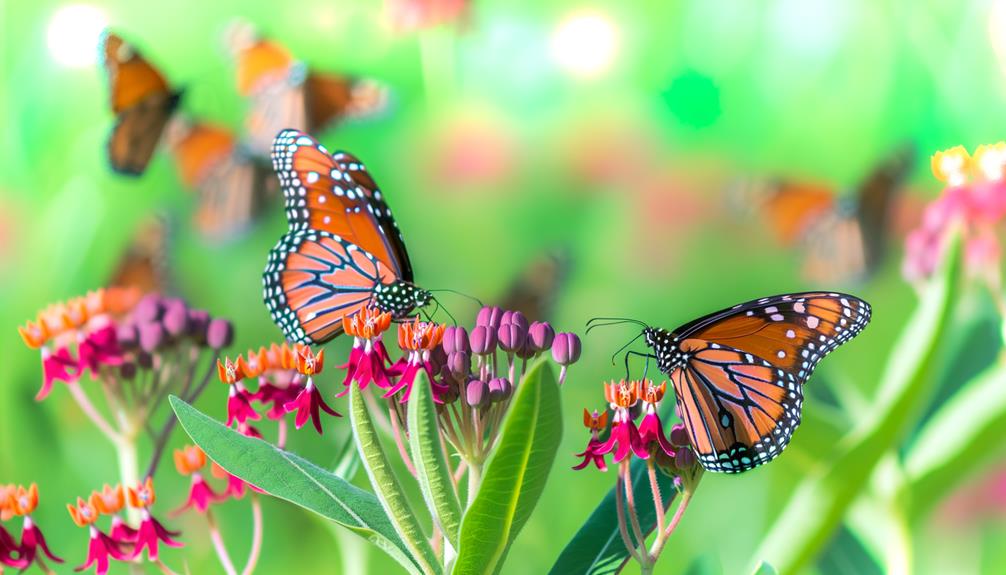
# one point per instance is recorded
(343, 250)
(738, 374)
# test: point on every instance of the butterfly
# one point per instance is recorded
(143, 104)
(144, 263)
(533, 292)
(283, 93)
(842, 239)
(342, 251)
(738, 374)
(232, 186)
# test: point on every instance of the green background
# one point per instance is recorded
(700, 93)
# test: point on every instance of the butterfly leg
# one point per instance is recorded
(648, 357)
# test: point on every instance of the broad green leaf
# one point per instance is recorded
(764, 568)
(515, 474)
(431, 465)
(820, 502)
(386, 485)
(597, 548)
(294, 479)
(957, 439)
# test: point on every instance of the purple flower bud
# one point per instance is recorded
(127, 337)
(199, 320)
(456, 339)
(507, 389)
(483, 340)
(566, 348)
(511, 337)
(497, 389)
(219, 333)
(477, 393)
(489, 316)
(148, 309)
(540, 336)
(514, 317)
(684, 458)
(459, 363)
(176, 318)
(679, 437)
(152, 336)
(127, 370)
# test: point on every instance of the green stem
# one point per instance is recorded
(474, 481)
(125, 449)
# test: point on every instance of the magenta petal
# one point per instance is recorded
(150, 534)
(239, 406)
(308, 405)
(121, 532)
(650, 430)
(100, 348)
(591, 455)
(407, 379)
(7, 549)
(201, 495)
(58, 366)
(32, 540)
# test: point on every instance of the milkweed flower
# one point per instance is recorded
(9, 548)
(151, 533)
(309, 403)
(24, 501)
(565, 352)
(624, 438)
(278, 380)
(368, 357)
(189, 461)
(651, 430)
(418, 339)
(239, 407)
(595, 422)
(101, 546)
(110, 501)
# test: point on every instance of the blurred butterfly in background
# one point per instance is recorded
(142, 102)
(233, 188)
(343, 250)
(843, 239)
(284, 93)
(738, 374)
(535, 290)
(144, 263)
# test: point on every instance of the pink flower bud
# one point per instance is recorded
(511, 336)
(489, 316)
(219, 333)
(566, 348)
(456, 339)
(477, 393)
(483, 340)
(540, 336)
(152, 336)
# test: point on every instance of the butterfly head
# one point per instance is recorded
(400, 298)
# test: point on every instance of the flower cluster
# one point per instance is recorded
(122, 542)
(974, 201)
(20, 501)
(629, 400)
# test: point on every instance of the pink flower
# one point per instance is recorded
(8, 548)
(32, 541)
(121, 532)
(308, 405)
(151, 533)
(650, 429)
(201, 495)
(58, 366)
(99, 348)
(419, 338)
(368, 357)
(239, 408)
(595, 422)
(100, 548)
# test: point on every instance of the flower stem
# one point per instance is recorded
(218, 545)
(623, 529)
(256, 547)
(474, 481)
(658, 500)
(281, 434)
(164, 568)
(92, 413)
(630, 499)
(665, 535)
(125, 450)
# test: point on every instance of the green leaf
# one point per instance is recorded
(819, 503)
(294, 479)
(764, 568)
(386, 485)
(431, 465)
(597, 548)
(957, 440)
(515, 475)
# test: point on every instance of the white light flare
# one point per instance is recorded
(74, 33)
(585, 44)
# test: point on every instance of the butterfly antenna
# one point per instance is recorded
(456, 292)
(621, 349)
(454, 321)
(611, 321)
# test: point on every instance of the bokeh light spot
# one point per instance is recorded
(694, 99)
(584, 44)
(73, 35)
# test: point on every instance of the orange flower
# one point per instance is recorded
(24, 501)
(595, 421)
(309, 364)
(229, 372)
(121, 300)
(143, 495)
(189, 459)
(951, 166)
(6, 503)
(623, 394)
(367, 323)
(83, 514)
(420, 335)
(109, 501)
(34, 334)
(650, 393)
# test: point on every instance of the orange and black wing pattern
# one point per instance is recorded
(738, 374)
(142, 101)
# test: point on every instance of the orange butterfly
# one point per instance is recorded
(143, 104)
(232, 187)
(283, 93)
(533, 292)
(144, 264)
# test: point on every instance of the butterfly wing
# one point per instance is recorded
(143, 265)
(143, 104)
(336, 194)
(875, 197)
(534, 291)
(738, 373)
(332, 97)
(793, 207)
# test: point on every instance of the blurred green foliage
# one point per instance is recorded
(704, 89)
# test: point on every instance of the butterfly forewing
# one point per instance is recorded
(738, 373)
